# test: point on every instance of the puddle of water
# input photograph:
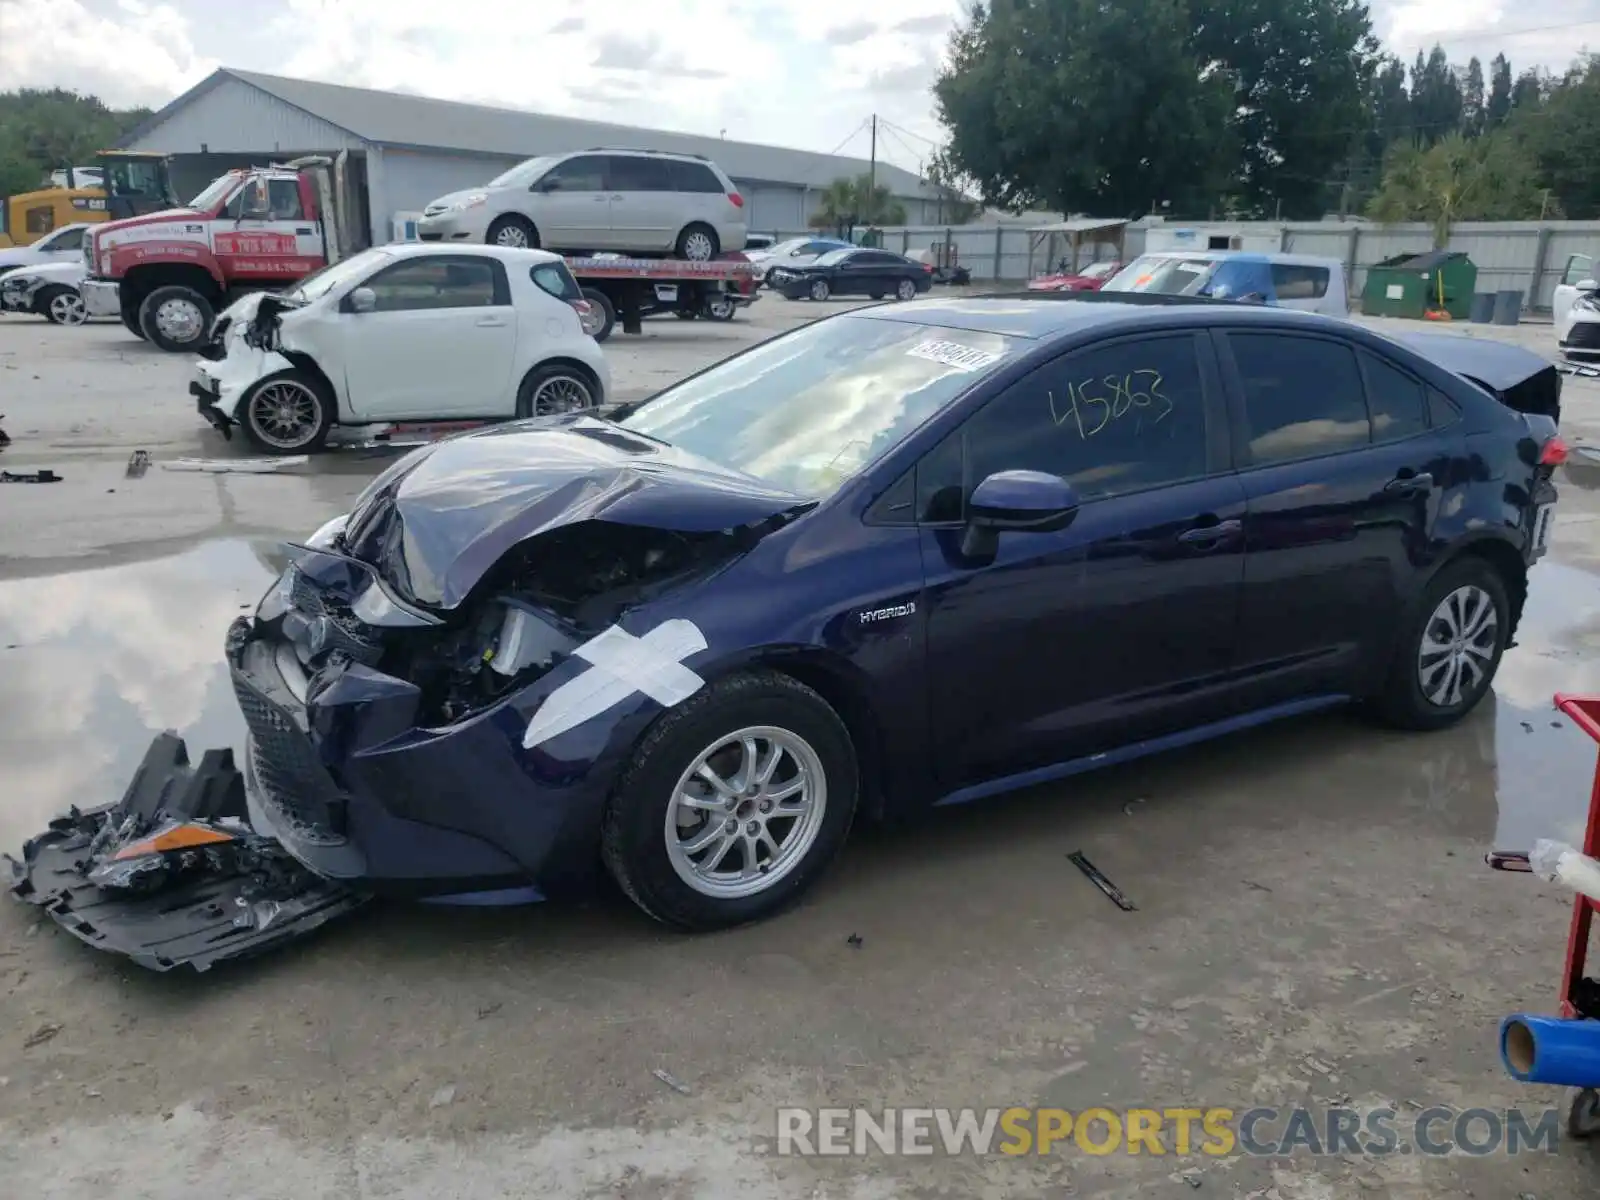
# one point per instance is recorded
(1544, 764)
(94, 663)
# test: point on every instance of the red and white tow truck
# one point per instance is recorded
(167, 274)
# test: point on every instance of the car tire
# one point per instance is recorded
(721, 308)
(513, 230)
(556, 388)
(1419, 693)
(289, 412)
(698, 243)
(177, 318)
(130, 318)
(874, 295)
(685, 314)
(600, 330)
(906, 289)
(61, 306)
(645, 827)
(819, 289)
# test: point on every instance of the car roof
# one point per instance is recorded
(1269, 256)
(506, 254)
(1049, 316)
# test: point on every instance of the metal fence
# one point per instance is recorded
(1527, 256)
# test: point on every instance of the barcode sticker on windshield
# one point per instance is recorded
(953, 354)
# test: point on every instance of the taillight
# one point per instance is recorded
(927, 268)
(1553, 453)
(738, 200)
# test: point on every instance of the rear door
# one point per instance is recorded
(645, 210)
(1580, 269)
(1342, 475)
(1120, 627)
(572, 205)
(441, 343)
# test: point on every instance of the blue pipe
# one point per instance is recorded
(1551, 1050)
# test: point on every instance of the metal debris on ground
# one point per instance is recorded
(675, 1084)
(855, 940)
(1100, 881)
(489, 1010)
(40, 1036)
(138, 464)
(1128, 808)
(236, 466)
(1575, 369)
(29, 477)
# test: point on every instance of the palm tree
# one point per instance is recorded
(848, 202)
(1487, 178)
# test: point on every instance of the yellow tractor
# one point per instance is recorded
(133, 183)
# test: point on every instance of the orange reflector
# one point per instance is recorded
(174, 837)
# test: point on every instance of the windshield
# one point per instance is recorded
(1161, 275)
(523, 173)
(1099, 270)
(807, 410)
(320, 283)
(832, 257)
(216, 192)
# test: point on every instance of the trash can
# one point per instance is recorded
(1508, 307)
(1412, 285)
(1482, 308)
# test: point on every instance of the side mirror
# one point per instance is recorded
(1019, 502)
(362, 300)
(1587, 285)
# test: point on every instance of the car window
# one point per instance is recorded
(557, 280)
(834, 258)
(815, 248)
(427, 283)
(586, 173)
(1110, 419)
(692, 176)
(67, 239)
(634, 173)
(1293, 281)
(1302, 396)
(809, 409)
(1579, 268)
(1396, 401)
(1163, 275)
(283, 197)
(1441, 410)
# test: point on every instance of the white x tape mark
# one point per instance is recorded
(622, 665)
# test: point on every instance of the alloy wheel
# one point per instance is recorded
(512, 235)
(285, 414)
(906, 290)
(1458, 647)
(66, 308)
(746, 812)
(561, 394)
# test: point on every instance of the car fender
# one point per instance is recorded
(238, 373)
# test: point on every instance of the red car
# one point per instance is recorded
(1089, 279)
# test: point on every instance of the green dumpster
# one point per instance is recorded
(1410, 285)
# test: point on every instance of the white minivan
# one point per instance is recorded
(1302, 281)
(618, 200)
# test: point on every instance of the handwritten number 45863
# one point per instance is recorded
(1138, 392)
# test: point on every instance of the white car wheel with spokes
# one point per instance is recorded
(64, 306)
(734, 803)
(287, 413)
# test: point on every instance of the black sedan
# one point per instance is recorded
(853, 272)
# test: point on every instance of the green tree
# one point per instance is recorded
(1079, 104)
(43, 130)
(1436, 101)
(848, 202)
(954, 206)
(1498, 106)
(1528, 91)
(1299, 72)
(1562, 134)
(1473, 116)
(1458, 179)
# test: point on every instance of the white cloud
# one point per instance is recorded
(133, 53)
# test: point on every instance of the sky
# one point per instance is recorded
(783, 72)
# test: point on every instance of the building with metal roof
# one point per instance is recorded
(406, 150)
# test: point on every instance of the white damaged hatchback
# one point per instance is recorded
(408, 332)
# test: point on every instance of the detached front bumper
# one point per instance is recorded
(101, 297)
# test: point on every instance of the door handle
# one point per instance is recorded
(491, 322)
(1409, 483)
(602, 199)
(1208, 537)
(616, 195)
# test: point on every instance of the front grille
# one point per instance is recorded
(1584, 335)
(294, 781)
(333, 626)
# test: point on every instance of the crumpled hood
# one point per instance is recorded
(437, 520)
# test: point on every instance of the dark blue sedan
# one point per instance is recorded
(907, 556)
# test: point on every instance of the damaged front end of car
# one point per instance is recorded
(391, 675)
